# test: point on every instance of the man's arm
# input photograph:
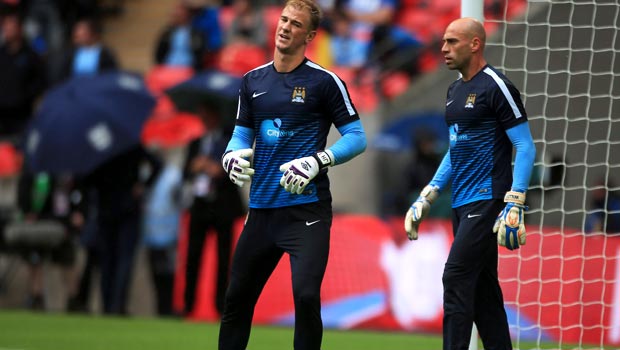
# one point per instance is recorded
(510, 224)
(443, 173)
(351, 144)
(521, 138)
(242, 137)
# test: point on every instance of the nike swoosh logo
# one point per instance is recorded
(469, 216)
(308, 223)
(449, 103)
(255, 95)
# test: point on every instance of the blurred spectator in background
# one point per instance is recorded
(247, 24)
(393, 49)
(180, 43)
(44, 25)
(604, 211)
(427, 154)
(88, 54)
(346, 49)
(216, 204)
(206, 20)
(120, 189)
(88, 240)
(366, 16)
(162, 217)
(43, 199)
(23, 77)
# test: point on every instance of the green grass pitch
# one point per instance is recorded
(20, 330)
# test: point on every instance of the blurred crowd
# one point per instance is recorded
(142, 195)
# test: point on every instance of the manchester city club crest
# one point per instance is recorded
(299, 95)
(471, 99)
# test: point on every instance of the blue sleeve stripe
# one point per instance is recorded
(443, 173)
(242, 137)
(504, 88)
(521, 138)
(343, 90)
(352, 142)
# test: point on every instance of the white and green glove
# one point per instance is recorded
(237, 165)
(299, 172)
(419, 209)
(509, 225)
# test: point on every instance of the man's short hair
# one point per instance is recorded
(312, 6)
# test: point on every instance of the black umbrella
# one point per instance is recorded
(210, 87)
(86, 121)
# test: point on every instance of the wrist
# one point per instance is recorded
(324, 158)
(516, 197)
(430, 193)
(224, 163)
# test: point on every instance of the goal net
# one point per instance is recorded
(563, 288)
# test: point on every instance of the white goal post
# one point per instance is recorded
(562, 289)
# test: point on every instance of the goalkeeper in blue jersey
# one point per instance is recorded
(286, 109)
(486, 120)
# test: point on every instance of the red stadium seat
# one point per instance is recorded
(410, 4)
(271, 16)
(429, 61)
(176, 130)
(161, 77)
(516, 8)
(418, 22)
(225, 16)
(239, 58)
(10, 160)
(360, 86)
(394, 84)
(443, 6)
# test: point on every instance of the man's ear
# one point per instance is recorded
(311, 35)
(476, 44)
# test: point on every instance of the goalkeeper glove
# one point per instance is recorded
(509, 225)
(419, 209)
(237, 165)
(299, 172)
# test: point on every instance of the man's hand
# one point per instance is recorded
(509, 225)
(299, 172)
(237, 166)
(419, 209)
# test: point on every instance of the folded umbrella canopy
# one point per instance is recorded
(215, 89)
(209, 87)
(86, 121)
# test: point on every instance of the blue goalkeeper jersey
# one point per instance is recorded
(478, 112)
(291, 115)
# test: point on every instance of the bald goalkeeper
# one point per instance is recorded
(486, 121)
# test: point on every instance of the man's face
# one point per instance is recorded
(82, 35)
(293, 31)
(456, 48)
(10, 29)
